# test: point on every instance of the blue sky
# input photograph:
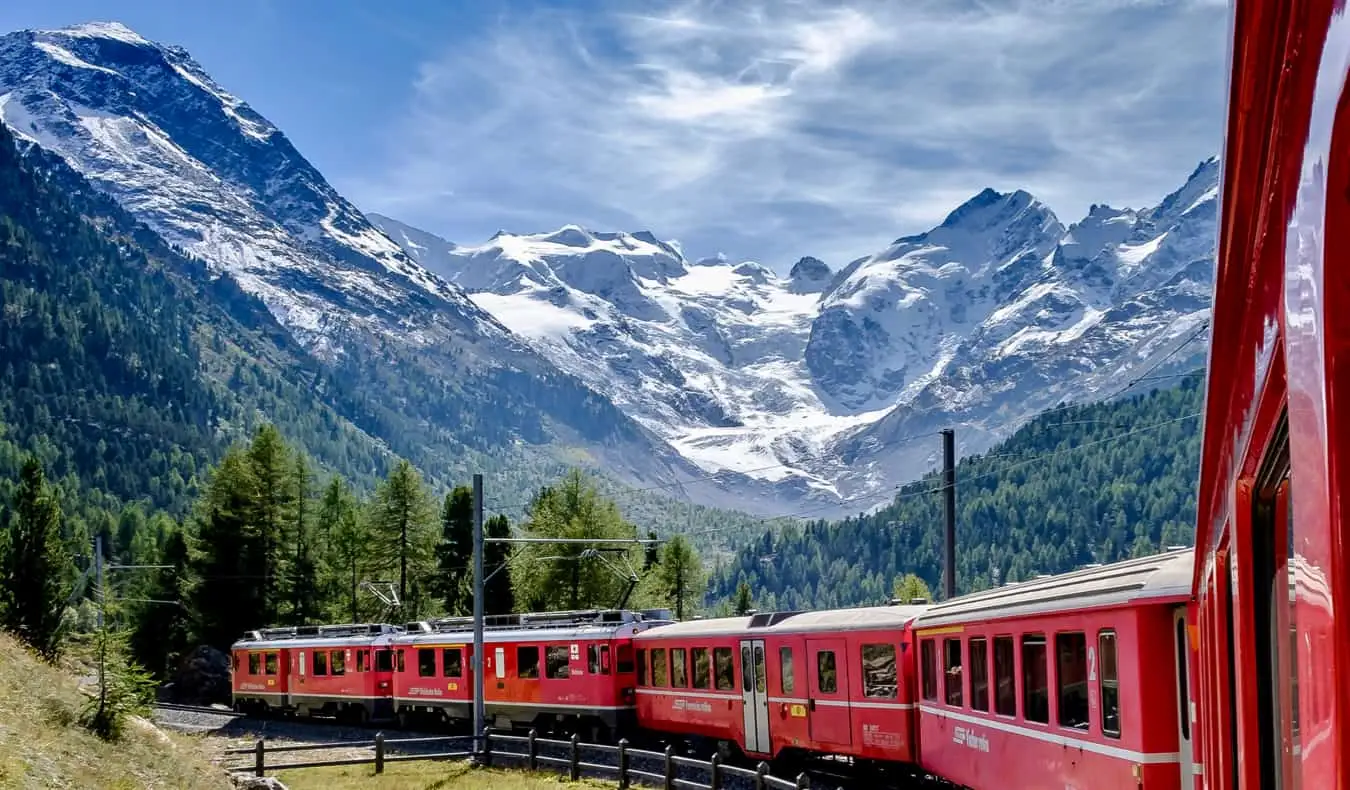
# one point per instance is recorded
(764, 130)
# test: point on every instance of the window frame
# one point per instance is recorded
(551, 665)
(1061, 708)
(659, 653)
(695, 675)
(949, 669)
(928, 685)
(979, 673)
(718, 663)
(889, 687)
(255, 663)
(425, 668)
(1014, 700)
(679, 670)
(522, 664)
(1102, 635)
(820, 672)
(640, 656)
(787, 682)
(337, 663)
(447, 653)
(1034, 639)
(318, 663)
(271, 663)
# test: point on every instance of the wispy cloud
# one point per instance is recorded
(778, 129)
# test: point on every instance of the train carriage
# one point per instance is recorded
(1270, 532)
(343, 670)
(557, 671)
(785, 684)
(1079, 680)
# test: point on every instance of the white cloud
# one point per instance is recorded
(778, 129)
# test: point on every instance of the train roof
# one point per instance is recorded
(863, 618)
(317, 635)
(1159, 576)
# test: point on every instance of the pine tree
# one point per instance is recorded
(230, 564)
(681, 577)
(908, 587)
(304, 575)
(272, 515)
(35, 564)
(403, 520)
(744, 603)
(348, 542)
(162, 633)
(454, 553)
(498, 593)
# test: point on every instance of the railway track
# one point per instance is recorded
(210, 710)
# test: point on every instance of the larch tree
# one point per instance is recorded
(35, 564)
(680, 576)
(403, 523)
(347, 544)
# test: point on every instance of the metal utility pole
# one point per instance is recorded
(102, 637)
(477, 663)
(949, 491)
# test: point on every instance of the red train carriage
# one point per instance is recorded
(1080, 680)
(558, 671)
(785, 683)
(1275, 655)
(342, 670)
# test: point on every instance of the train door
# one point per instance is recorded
(1181, 651)
(755, 695)
(827, 705)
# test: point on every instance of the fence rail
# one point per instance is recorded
(573, 764)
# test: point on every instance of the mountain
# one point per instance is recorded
(401, 353)
(830, 385)
(1077, 485)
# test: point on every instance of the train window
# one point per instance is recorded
(928, 653)
(452, 662)
(320, 663)
(1108, 684)
(254, 663)
(234, 661)
(725, 669)
(1035, 687)
(360, 661)
(642, 678)
(785, 680)
(624, 659)
(384, 661)
(426, 662)
(1005, 687)
(760, 682)
(400, 666)
(270, 663)
(827, 675)
(1071, 676)
(604, 660)
(953, 679)
(979, 674)
(556, 662)
(337, 664)
(678, 676)
(593, 659)
(499, 662)
(659, 675)
(527, 662)
(878, 671)
(702, 668)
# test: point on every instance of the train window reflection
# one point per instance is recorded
(725, 668)
(1108, 683)
(928, 654)
(878, 666)
(270, 663)
(786, 680)
(979, 674)
(951, 669)
(1035, 689)
(827, 678)
(338, 662)
(702, 668)
(255, 663)
(556, 662)
(678, 678)
(659, 676)
(1071, 675)
(1005, 685)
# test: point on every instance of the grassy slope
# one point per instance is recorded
(41, 745)
(426, 776)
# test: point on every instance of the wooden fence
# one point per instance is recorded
(581, 757)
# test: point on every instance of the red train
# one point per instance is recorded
(1226, 667)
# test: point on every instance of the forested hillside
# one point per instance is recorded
(1077, 485)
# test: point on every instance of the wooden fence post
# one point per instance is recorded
(534, 750)
(623, 764)
(487, 746)
(258, 759)
(379, 752)
(761, 771)
(670, 768)
(715, 773)
(576, 757)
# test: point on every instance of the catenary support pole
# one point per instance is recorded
(949, 491)
(102, 637)
(477, 663)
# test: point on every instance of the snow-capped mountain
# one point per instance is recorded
(146, 124)
(818, 381)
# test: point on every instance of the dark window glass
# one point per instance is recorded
(642, 677)
(1035, 688)
(593, 659)
(827, 675)
(426, 662)
(979, 674)
(1005, 673)
(254, 663)
(951, 669)
(384, 661)
(556, 662)
(1071, 676)
(625, 659)
(1108, 683)
(527, 662)
(452, 662)
(320, 659)
(878, 668)
(928, 657)
(725, 668)
(338, 663)
(360, 661)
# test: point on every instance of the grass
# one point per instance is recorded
(43, 746)
(427, 776)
